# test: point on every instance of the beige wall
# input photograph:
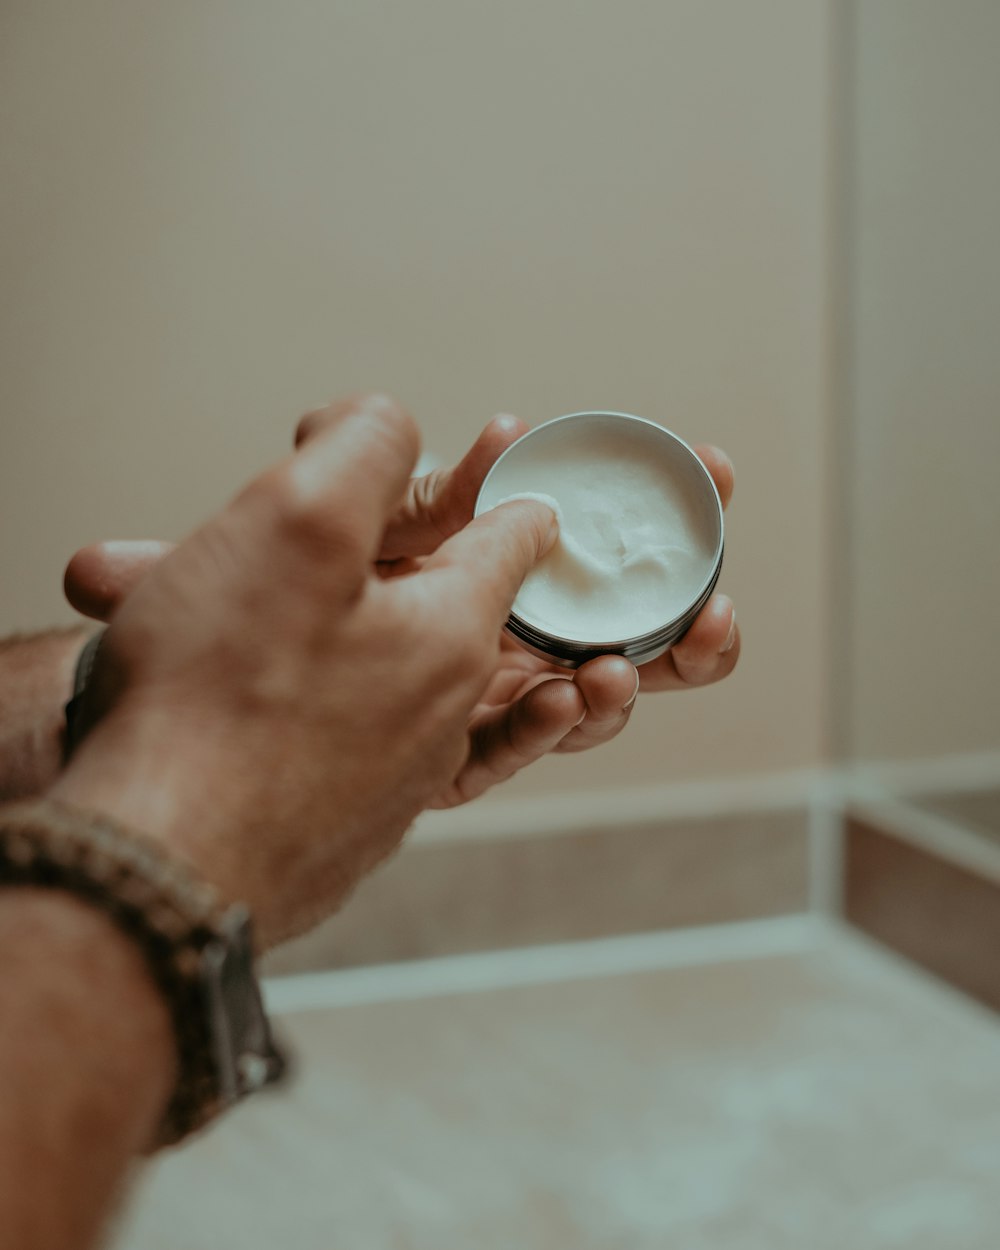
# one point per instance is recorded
(925, 514)
(214, 215)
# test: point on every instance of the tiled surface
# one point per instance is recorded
(520, 891)
(813, 1101)
(945, 917)
(978, 810)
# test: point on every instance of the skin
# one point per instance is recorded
(529, 708)
(88, 1049)
(276, 699)
(36, 676)
(275, 709)
(276, 713)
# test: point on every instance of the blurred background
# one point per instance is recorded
(768, 225)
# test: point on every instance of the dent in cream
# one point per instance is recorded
(631, 553)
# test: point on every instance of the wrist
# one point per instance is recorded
(90, 1060)
(157, 772)
(197, 951)
(136, 772)
(92, 986)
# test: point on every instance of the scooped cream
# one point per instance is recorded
(632, 552)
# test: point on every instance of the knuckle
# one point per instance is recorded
(377, 404)
(397, 426)
(426, 494)
(374, 407)
(309, 520)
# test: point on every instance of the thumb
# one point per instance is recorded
(441, 503)
(484, 564)
(100, 576)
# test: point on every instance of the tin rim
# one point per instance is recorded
(564, 645)
(640, 649)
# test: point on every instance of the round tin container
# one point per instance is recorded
(674, 456)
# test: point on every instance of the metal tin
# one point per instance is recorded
(570, 652)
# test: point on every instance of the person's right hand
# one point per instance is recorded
(272, 709)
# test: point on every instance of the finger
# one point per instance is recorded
(326, 416)
(99, 577)
(706, 654)
(483, 565)
(511, 681)
(609, 686)
(442, 502)
(336, 493)
(720, 467)
(506, 739)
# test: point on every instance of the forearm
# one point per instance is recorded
(87, 1056)
(36, 678)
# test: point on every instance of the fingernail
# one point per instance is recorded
(537, 501)
(377, 404)
(635, 694)
(730, 637)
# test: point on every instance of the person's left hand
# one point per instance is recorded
(531, 708)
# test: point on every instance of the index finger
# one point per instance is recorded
(440, 503)
(486, 562)
(341, 486)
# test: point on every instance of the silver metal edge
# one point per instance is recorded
(572, 652)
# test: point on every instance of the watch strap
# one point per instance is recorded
(81, 676)
(199, 954)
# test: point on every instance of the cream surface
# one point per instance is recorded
(633, 551)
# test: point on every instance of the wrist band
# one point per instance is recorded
(199, 954)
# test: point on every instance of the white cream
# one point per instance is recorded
(636, 543)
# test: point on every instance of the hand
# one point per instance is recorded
(272, 708)
(530, 708)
